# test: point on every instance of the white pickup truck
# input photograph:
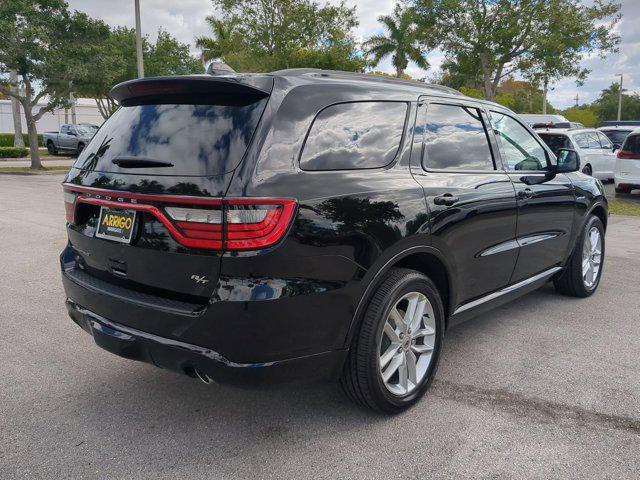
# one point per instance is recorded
(70, 138)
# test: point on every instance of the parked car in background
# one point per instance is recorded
(311, 223)
(627, 174)
(70, 138)
(617, 133)
(597, 155)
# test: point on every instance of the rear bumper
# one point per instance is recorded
(188, 359)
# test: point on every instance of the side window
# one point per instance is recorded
(354, 135)
(455, 139)
(582, 140)
(594, 141)
(604, 141)
(64, 129)
(521, 149)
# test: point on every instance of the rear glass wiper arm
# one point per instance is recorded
(139, 162)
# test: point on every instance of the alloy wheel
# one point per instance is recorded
(591, 257)
(406, 343)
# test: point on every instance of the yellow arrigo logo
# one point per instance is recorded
(117, 221)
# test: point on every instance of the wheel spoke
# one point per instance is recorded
(411, 310)
(395, 316)
(424, 332)
(386, 357)
(410, 361)
(418, 315)
(403, 377)
(391, 333)
(421, 348)
(395, 363)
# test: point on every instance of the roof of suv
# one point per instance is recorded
(400, 83)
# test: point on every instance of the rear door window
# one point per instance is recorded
(556, 141)
(196, 140)
(455, 138)
(354, 135)
(604, 141)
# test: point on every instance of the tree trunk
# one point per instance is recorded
(544, 96)
(33, 138)
(489, 91)
(18, 140)
(399, 72)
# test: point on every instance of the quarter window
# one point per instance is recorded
(455, 139)
(354, 135)
(604, 141)
(521, 149)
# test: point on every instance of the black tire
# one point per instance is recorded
(623, 190)
(51, 148)
(571, 282)
(361, 378)
(79, 149)
(587, 170)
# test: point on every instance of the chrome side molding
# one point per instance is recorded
(506, 290)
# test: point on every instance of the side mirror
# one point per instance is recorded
(568, 160)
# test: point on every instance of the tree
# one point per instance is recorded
(606, 106)
(401, 41)
(18, 139)
(115, 62)
(509, 36)
(49, 48)
(583, 114)
(273, 34)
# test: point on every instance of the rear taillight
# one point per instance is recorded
(229, 224)
(70, 206)
(629, 155)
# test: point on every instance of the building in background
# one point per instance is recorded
(86, 112)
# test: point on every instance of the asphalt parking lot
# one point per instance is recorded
(546, 387)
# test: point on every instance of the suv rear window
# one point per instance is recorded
(354, 135)
(556, 141)
(196, 139)
(617, 136)
(632, 144)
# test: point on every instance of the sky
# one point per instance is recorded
(184, 19)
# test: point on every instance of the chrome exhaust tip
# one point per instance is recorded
(203, 377)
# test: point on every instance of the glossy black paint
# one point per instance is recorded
(302, 298)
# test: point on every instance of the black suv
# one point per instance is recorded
(310, 223)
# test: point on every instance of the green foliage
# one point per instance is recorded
(6, 139)
(471, 92)
(13, 152)
(583, 114)
(51, 50)
(486, 41)
(401, 41)
(606, 106)
(276, 34)
(115, 62)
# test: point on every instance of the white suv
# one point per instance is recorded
(597, 155)
(627, 175)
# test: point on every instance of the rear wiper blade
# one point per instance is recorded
(139, 162)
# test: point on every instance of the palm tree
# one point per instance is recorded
(222, 42)
(401, 41)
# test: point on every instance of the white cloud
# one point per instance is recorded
(184, 19)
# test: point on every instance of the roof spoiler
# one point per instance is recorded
(199, 89)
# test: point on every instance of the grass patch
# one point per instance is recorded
(29, 171)
(623, 207)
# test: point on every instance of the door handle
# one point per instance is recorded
(526, 193)
(446, 199)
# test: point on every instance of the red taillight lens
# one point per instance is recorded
(231, 224)
(254, 224)
(70, 206)
(629, 155)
